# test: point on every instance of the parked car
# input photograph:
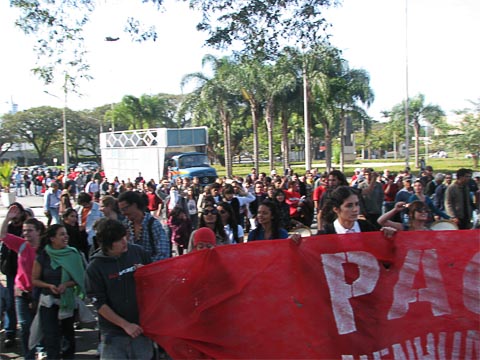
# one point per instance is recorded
(439, 154)
(88, 165)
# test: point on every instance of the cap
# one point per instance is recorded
(204, 235)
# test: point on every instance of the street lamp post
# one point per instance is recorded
(65, 147)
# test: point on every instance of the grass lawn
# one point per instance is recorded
(439, 165)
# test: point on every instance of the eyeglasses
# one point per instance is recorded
(208, 212)
(424, 210)
(222, 212)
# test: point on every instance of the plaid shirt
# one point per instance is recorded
(160, 241)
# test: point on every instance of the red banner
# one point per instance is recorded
(356, 296)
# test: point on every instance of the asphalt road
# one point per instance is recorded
(86, 339)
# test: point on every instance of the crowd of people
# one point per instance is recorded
(99, 231)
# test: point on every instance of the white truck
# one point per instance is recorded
(155, 153)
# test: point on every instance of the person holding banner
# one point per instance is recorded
(418, 214)
(110, 283)
(341, 211)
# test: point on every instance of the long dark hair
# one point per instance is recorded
(46, 238)
(232, 220)
(218, 228)
(276, 221)
(335, 200)
(67, 213)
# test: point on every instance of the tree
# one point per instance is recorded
(83, 133)
(7, 139)
(349, 87)
(262, 26)
(277, 81)
(468, 136)
(418, 111)
(39, 127)
(142, 113)
(215, 96)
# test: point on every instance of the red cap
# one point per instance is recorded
(204, 235)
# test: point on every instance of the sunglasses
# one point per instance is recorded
(208, 212)
(424, 210)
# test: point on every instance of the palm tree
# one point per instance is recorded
(350, 87)
(214, 94)
(322, 65)
(418, 112)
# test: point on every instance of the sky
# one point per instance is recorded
(442, 44)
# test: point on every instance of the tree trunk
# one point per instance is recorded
(343, 126)
(416, 129)
(226, 141)
(328, 147)
(285, 143)
(269, 119)
(254, 111)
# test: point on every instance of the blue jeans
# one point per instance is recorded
(25, 315)
(125, 347)
(55, 331)
(10, 319)
(54, 213)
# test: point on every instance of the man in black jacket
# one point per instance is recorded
(110, 284)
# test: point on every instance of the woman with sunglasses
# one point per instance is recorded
(418, 214)
(209, 217)
(419, 195)
(233, 231)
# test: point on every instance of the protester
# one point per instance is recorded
(458, 202)
(341, 214)
(233, 231)
(110, 283)
(8, 266)
(51, 204)
(88, 213)
(269, 225)
(204, 238)
(180, 230)
(419, 195)
(25, 296)
(65, 202)
(76, 237)
(372, 195)
(143, 228)
(418, 215)
(210, 218)
(59, 274)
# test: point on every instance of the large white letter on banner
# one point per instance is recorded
(471, 285)
(341, 292)
(434, 292)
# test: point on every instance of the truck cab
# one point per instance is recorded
(190, 164)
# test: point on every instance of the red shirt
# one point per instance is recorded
(153, 201)
(26, 257)
(292, 198)
(318, 192)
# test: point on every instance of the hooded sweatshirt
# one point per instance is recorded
(110, 280)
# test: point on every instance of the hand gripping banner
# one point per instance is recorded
(355, 296)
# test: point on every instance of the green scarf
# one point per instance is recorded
(71, 263)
